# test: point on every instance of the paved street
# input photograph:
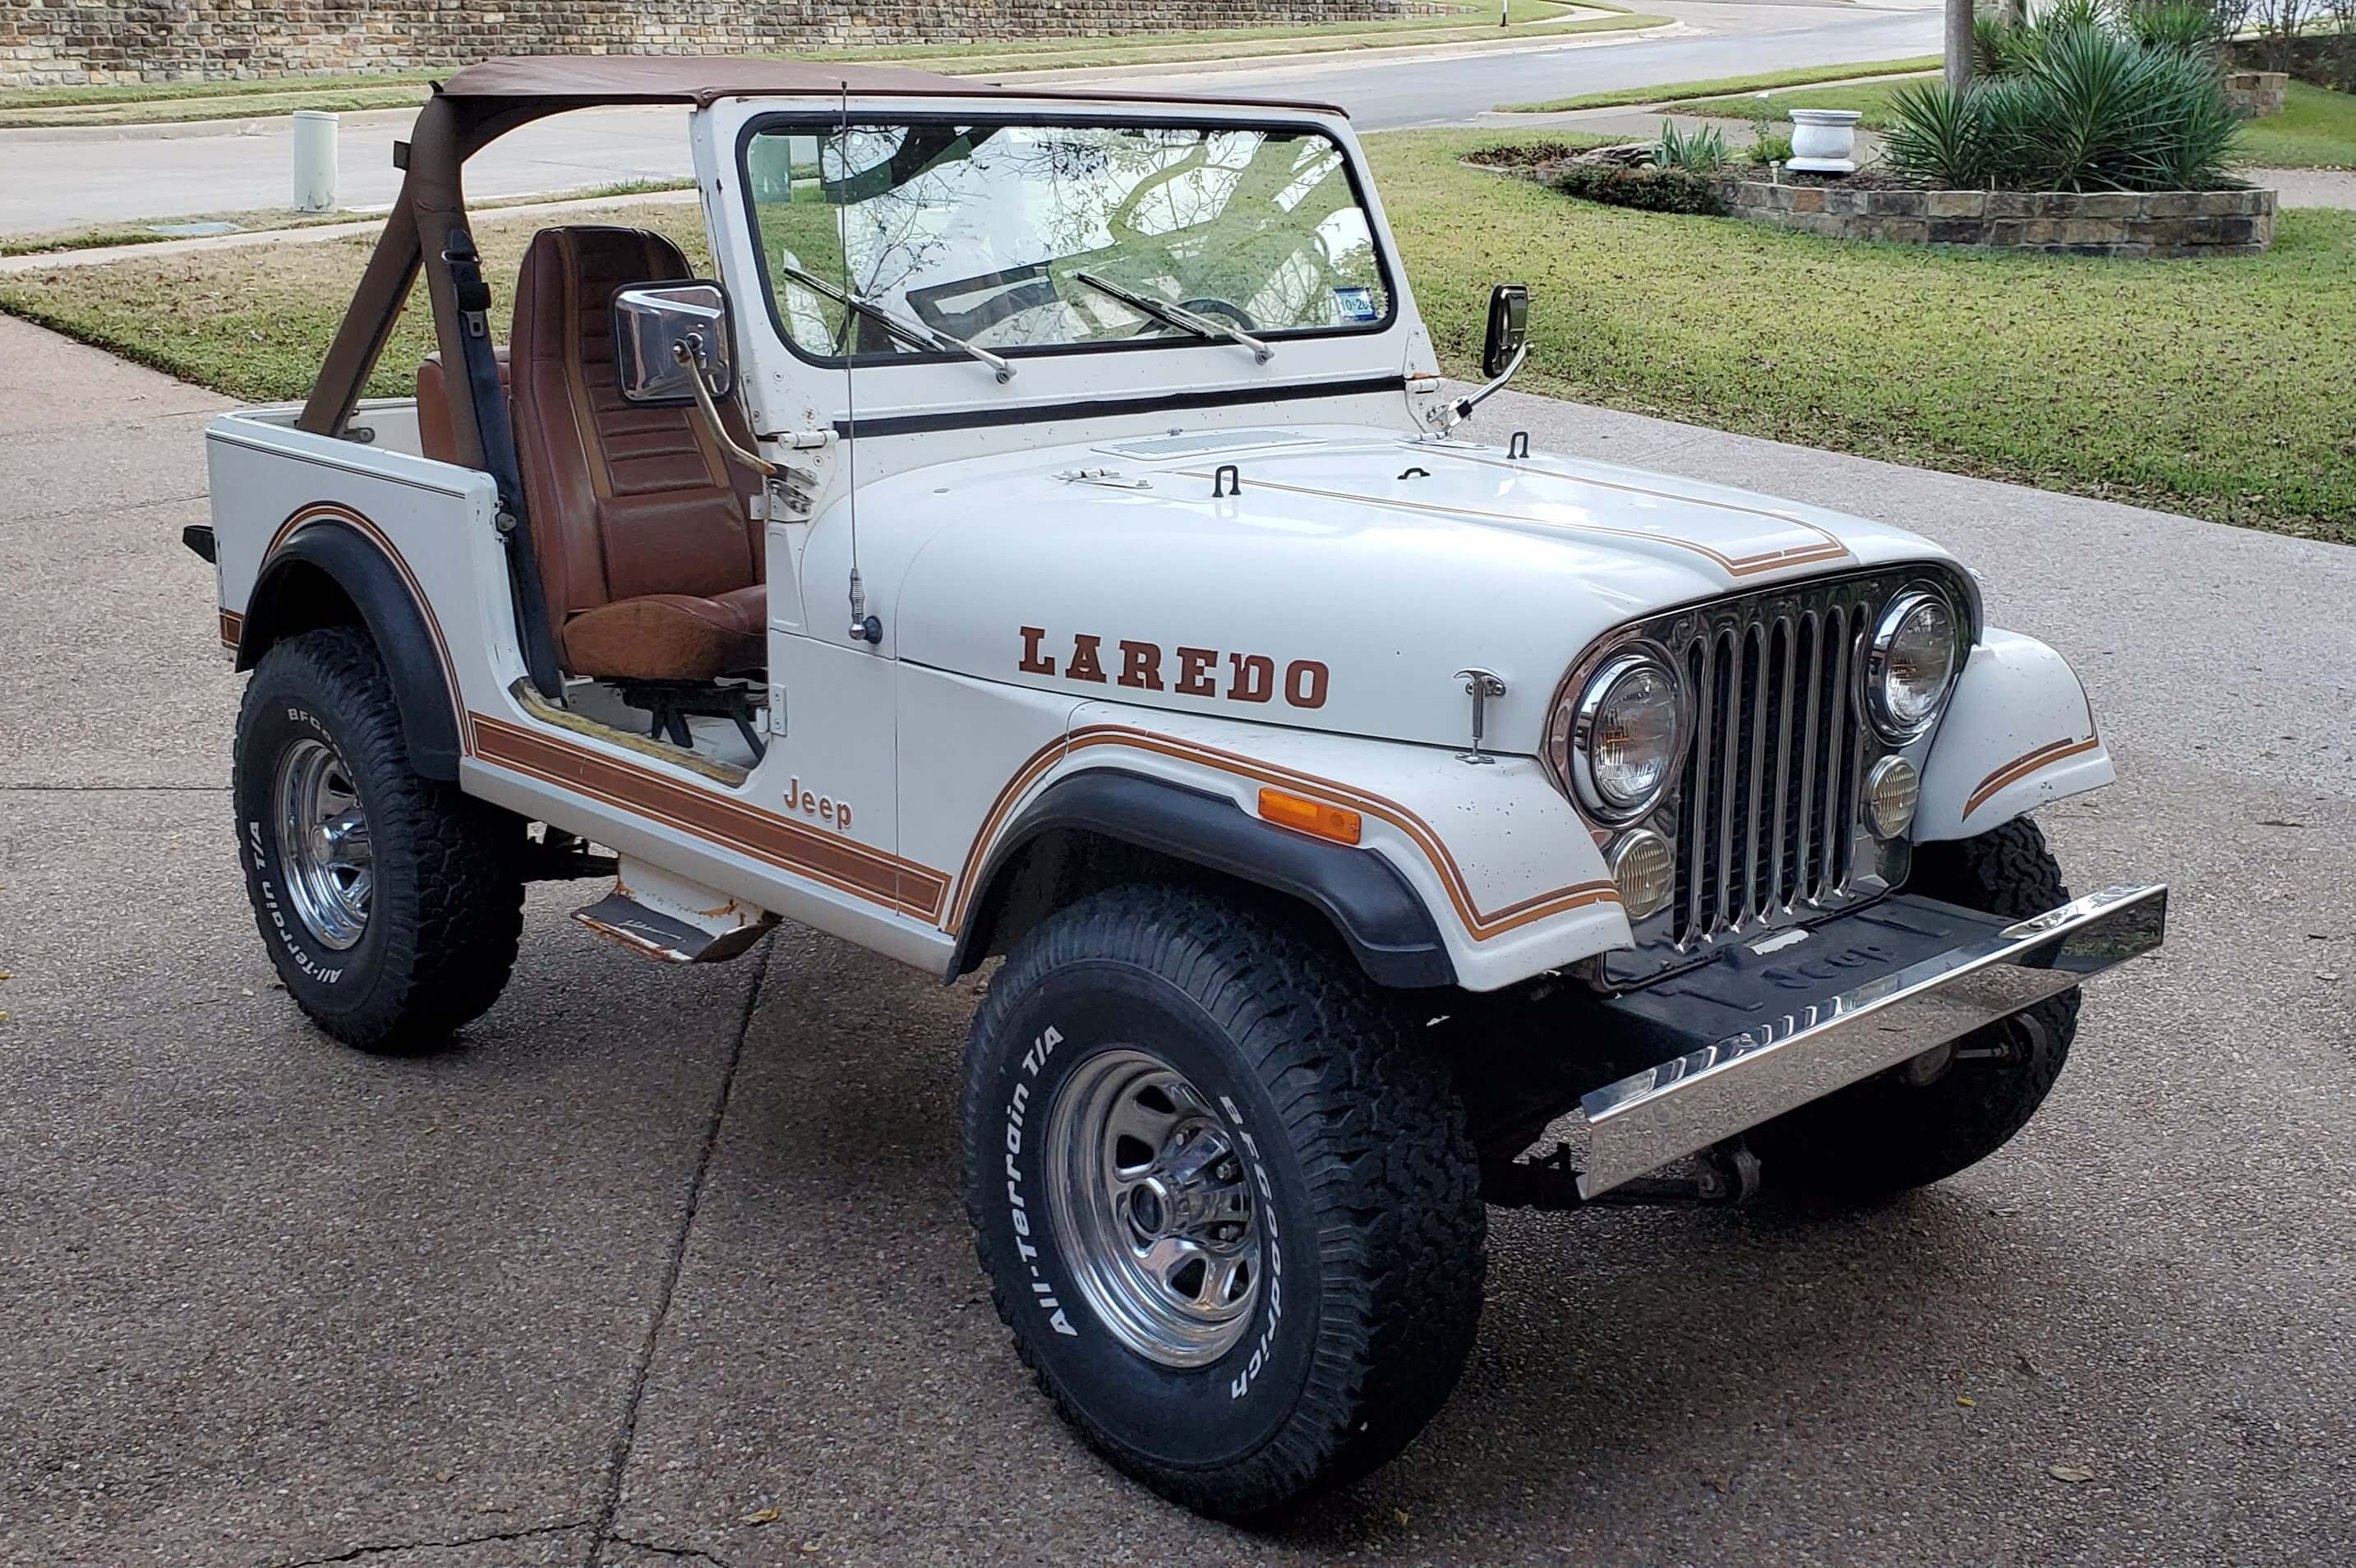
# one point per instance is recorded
(658, 1249)
(69, 179)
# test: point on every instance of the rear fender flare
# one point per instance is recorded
(286, 601)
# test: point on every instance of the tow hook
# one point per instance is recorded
(1725, 1174)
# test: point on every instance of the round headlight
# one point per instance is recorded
(1912, 663)
(1644, 871)
(1618, 741)
(1892, 790)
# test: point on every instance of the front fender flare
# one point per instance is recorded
(2018, 734)
(1369, 904)
(280, 606)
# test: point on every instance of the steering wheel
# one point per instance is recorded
(1206, 304)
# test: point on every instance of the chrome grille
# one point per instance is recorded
(1767, 802)
(1764, 811)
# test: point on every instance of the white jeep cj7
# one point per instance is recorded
(1050, 537)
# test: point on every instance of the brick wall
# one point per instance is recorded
(53, 41)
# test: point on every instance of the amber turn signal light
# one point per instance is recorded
(1312, 817)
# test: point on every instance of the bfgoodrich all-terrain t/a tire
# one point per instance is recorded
(1923, 1121)
(1224, 1199)
(391, 904)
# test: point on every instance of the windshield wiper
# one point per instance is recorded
(1179, 315)
(906, 329)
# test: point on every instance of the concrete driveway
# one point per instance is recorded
(655, 1252)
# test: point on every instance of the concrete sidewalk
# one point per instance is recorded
(655, 1250)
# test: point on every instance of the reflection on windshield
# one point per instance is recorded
(977, 229)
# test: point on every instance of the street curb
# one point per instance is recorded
(267, 125)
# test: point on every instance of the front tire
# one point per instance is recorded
(1923, 1121)
(1223, 1198)
(391, 904)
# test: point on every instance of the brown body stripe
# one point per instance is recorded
(1481, 926)
(838, 861)
(1829, 549)
(2021, 768)
(873, 875)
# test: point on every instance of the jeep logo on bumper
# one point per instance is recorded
(1195, 672)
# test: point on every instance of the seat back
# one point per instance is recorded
(434, 437)
(626, 500)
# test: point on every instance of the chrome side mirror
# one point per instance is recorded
(1509, 327)
(663, 334)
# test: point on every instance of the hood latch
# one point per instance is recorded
(1483, 686)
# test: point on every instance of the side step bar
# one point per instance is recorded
(671, 919)
(1933, 973)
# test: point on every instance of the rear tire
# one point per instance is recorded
(1923, 1121)
(392, 904)
(1279, 1121)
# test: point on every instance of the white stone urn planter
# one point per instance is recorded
(1823, 141)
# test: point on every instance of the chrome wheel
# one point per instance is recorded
(323, 843)
(1151, 1200)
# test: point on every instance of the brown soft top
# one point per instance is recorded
(484, 103)
(700, 78)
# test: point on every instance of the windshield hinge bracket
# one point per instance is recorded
(1110, 478)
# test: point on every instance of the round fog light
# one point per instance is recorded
(1892, 790)
(1644, 872)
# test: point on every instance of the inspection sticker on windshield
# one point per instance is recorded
(1355, 302)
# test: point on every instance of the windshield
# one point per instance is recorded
(977, 230)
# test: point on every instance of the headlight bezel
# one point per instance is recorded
(1874, 668)
(1579, 706)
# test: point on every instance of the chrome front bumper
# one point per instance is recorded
(1830, 1037)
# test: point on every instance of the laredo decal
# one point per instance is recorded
(1192, 672)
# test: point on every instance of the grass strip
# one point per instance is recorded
(1676, 92)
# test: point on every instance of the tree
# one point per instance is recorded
(1959, 45)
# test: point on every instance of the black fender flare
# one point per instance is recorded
(1370, 906)
(379, 591)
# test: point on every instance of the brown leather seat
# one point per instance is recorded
(434, 437)
(648, 551)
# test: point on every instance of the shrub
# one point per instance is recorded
(2188, 28)
(1771, 148)
(1646, 189)
(2087, 110)
(1701, 151)
(1993, 45)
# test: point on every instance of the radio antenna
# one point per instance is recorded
(864, 627)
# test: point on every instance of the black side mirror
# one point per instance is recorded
(1509, 327)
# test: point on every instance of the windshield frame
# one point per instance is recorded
(805, 122)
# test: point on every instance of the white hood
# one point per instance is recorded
(1353, 575)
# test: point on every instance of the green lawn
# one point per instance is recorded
(2218, 387)
(254, 323)
(2317, 128)
(1464, 21)
(2215, 387)
(1676, 91)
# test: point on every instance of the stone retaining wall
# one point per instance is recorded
(2257, 93)
(44, 42)
(2093, 223)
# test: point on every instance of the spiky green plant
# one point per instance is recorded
(2089, 110)
(1698, 151)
